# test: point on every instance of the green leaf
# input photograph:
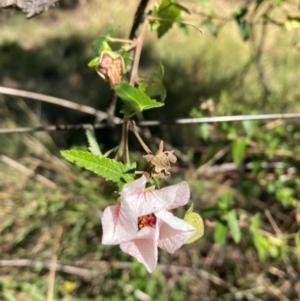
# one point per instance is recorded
(127, 57)
(261, 243)
(226, 200)
(102, 41)
(255, 224)
(238, 149)
(107, 168)
(212, 28)
(283, 246)
(273, 251)
(297, 244)
(285, 196)
(33, 292)
(183, 27)
(204, 130)
(94, 62)
(241, 19)
(196, 221)
(166, 10)
(153, 25)
(220, 232)
(234, 225)
(155, 87)
(142, 87)
(134, 99)
(248, 126)
(181, 7)
(93, 144)
(8, 296)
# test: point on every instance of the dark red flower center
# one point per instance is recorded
(148, 220)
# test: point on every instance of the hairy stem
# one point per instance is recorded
(137, 135)
(138, 51)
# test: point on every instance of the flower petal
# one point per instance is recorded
(173, 232)
(135, 187)
(181, 192)
(135, 199)
(143, 248)
(118, 225)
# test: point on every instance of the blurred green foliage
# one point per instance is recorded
(245, 175)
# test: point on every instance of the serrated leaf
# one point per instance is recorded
(155, 86)
(107, 168)
(181, 7)
(166, 10)
(238, 149)
(142, 87)
(135, 101)
(241, 20)
(196, 221)
(98, 44)
(233, 225)
(220, 232)
(93, 144)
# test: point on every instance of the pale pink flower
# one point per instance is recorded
(141, 222)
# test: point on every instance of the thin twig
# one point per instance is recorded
(104, 265)
(52, 271)
(178, 21)
(210, 162)
(272, 222)
(69, 104)
(138, 51)
(28, 172)
(125, 142)
(83, 126)
(138, 137)
(81, 272)
(54, 100)
(133, 33)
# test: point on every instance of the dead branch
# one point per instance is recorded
(28, 7)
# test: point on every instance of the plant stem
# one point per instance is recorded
(138, 51)
(124, 142)
(137, 135)
(118, 40)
